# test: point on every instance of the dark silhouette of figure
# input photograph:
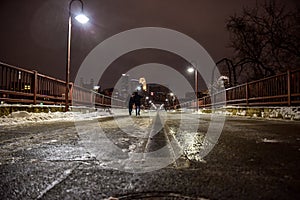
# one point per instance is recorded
(137, 102)
(130, 104)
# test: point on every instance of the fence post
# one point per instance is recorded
(247, 94)
(289, 87)
(71, 93)
(35, 86)
(91, 97)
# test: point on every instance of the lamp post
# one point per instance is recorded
(191, 70)
(82, 19)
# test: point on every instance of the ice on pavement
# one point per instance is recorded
(270, 140)
(23, 117)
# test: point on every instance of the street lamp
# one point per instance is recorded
(191, 70)
(82, 19)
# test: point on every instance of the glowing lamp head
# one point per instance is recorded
(82, 18)
(190, 69)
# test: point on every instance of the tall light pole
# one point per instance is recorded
(82, 19)
(191, 70)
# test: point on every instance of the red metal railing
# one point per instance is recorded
(24, 86)
(18, 85)
(84, 97)
(282, 89)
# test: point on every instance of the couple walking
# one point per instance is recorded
(135, 99)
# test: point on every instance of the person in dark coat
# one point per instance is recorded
(130, 104)
(137, 102)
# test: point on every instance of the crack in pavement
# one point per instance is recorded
(60, 179)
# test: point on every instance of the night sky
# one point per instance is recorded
(34, 32)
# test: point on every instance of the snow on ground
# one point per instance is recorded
(22, 117)
(291, 113)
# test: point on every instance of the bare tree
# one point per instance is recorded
(266, 41)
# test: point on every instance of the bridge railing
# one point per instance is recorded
(282, 89)
(279, 90)
(18, 85)
(84, 97)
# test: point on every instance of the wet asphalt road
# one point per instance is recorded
(253, 159)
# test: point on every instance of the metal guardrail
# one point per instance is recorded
(18, 85)
(23, 86)
(282, 89)
(84, 97)
(279, 90)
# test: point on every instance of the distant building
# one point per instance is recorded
(143, 82)
(158, 93)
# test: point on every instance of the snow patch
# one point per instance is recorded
(23, 117)
(19, 114)
(243, 113)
